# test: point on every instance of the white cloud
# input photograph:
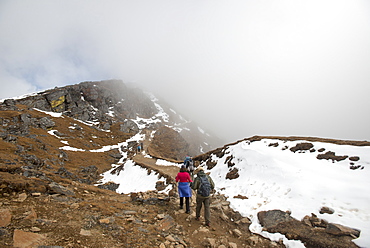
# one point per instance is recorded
(263, 65)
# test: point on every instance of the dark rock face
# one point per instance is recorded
(110, 186)
(129, 127)
(302, 147)
(331, 155)
(168, 143)
(108, 105)
(273, 217)
(91, 101)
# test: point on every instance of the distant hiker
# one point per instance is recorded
(188, 161)
(138, 148)
(204, 184)
(142, 146)
(191, 168)
(184, 189)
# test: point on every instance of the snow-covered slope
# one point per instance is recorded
(274, 177)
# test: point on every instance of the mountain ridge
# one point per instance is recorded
(50, 162)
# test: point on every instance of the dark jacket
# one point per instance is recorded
(195, 185)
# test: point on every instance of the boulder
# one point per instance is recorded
(272, 218)
(232, 174)
(59, 189)
(5, 217)
(23, 239)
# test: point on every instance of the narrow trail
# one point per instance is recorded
(223, 219)
(168, 170)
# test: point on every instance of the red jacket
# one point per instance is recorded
(183, 177)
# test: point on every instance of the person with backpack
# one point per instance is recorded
(204, 184)
(189, 164)
(183, 187)
(187, 160)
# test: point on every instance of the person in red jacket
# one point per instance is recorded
(183, 179)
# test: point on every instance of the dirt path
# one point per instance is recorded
(169, 170)
(223, 225)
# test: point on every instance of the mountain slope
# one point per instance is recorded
(49, 163)
(112, 105)
(298, 175)
(55, 145)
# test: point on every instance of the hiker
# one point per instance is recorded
(188, 160)
(203, 183)
(142, 146)
(138, 148)
(183, 179)
(191, 169)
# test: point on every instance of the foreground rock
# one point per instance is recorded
(312, 231)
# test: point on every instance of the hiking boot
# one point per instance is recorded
(208, 224)
(181, 207)
(196, 218)
(187, 212)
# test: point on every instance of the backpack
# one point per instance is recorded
(205, 186)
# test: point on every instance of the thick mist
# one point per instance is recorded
(238, 68)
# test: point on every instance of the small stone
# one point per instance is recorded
(160, 216)
(32, 215)
(21, 197)
(326, 210)
(36, 194)
(237, 232)
(233, 245)
(245, 221)
(212, 242)
(203, 229)
(35, 229)
(170, 238)
(224, 216)
(84, 232)
(104, 221)
(130, 212)
(131, 219)
(75, 206)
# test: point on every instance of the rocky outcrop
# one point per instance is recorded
(312, 231)
(109, 105)
(331, 155)
(232, 174)
(169, 144)
(305, 146)
(91, 101)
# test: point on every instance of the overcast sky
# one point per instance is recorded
(238, 68)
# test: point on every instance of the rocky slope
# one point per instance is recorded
(110, 104)
(55, 145)
(47, 192)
